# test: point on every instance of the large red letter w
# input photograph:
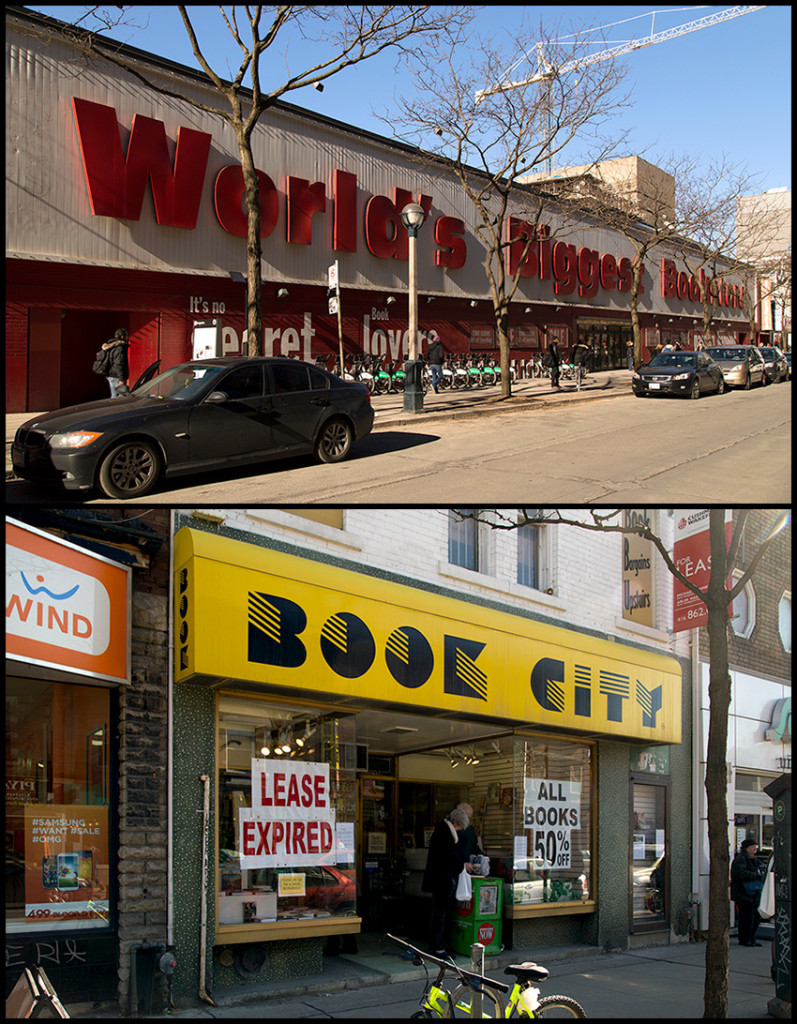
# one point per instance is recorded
(116, 183)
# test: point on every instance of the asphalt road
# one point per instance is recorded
(723, 449)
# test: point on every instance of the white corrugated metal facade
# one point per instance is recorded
(49, 216)
(155, 279)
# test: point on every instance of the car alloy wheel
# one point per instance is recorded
(129, 470)
(695, 392)
(335, 441)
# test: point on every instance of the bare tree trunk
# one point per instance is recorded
(715, 995)
(254, 302)
(634, 303)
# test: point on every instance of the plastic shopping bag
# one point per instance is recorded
(464, 888)
(480, 864)
(766, 907)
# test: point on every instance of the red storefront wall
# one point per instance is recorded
(58, 315)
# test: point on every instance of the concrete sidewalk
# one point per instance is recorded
(389, 409)
(660, 982)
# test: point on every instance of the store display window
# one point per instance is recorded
(57, 806)
(550, 808)
(287, 809)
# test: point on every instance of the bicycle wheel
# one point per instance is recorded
(492, 1005)
(551, 1007)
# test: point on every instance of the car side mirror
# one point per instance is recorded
(217, 397)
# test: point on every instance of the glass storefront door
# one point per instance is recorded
(649, 871)
(379, 868)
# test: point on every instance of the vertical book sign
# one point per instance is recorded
(65, 607)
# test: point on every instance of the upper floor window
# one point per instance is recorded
(743, 610)
(529, 546)
(463, 540)
(784, 621)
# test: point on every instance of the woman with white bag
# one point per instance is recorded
(443, 868)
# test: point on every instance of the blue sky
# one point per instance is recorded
(725, 89)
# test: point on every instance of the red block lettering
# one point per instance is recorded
(518, 235)
(344, 222)
(453, 251)
(669, 279)
(248, 839)
(588, 267)
(608, 272)
(228, 192)
(565, 268)
(626, 271)
(304, 200)
(116, 183)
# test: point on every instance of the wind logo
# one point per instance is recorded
(56, 605)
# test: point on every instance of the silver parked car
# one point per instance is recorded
(741, 365)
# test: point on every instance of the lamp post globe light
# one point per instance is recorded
(412, 217)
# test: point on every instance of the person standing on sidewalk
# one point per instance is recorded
(443, 868)
(747, 881)
(555, 362)
(435, 353)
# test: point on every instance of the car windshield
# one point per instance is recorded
(728, 353)
(182, 382)
(677, 359)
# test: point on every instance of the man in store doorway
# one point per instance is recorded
(443, 867)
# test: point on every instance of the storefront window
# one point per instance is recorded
(551, 808)
(648, 846)
(287, 809)
(57, 843)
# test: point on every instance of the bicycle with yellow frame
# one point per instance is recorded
(524, 998)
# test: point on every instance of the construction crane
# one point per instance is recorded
(547, 72)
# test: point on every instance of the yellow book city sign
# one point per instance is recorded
(249, 613)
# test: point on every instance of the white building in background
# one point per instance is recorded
(763, 238)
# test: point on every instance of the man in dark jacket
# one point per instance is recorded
(554, 361)
(435, 354)
(118, 368)
(747, 881)
(443, 868)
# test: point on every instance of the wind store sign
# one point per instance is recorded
(65, 608)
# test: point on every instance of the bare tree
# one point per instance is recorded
(708, 202)
(718, 597)
(349, 35)
(492, 144)
(642, 209)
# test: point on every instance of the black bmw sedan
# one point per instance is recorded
(202, 415)
(679, 372)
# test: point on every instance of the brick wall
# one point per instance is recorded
(143, 749)
(763, 652)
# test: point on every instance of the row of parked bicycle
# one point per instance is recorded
(381, 377)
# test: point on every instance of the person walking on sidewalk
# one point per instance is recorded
(747, 881)
(554, 361)
(114, 366)
(435, 353)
